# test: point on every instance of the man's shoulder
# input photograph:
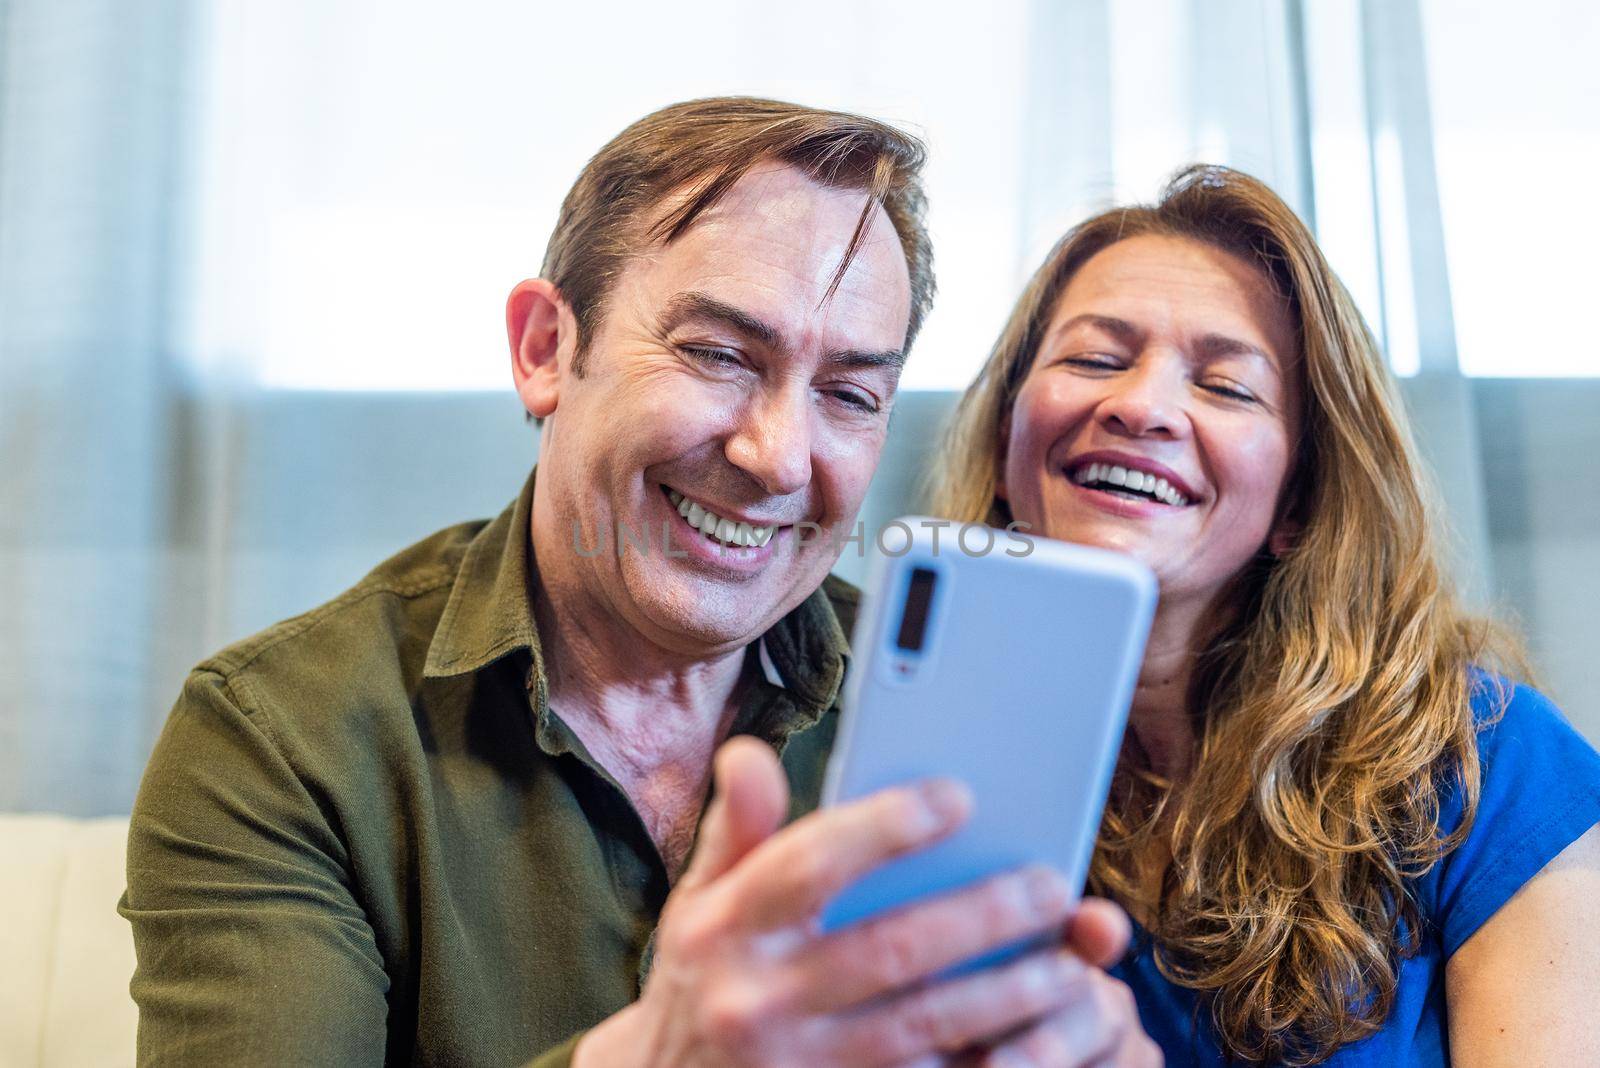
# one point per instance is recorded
(383, 623)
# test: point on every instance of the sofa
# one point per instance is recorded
(65, 955)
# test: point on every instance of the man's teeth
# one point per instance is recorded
(712, 525)
(1128, 479)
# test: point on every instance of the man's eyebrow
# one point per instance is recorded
(691, 306)
(893, 358)
(699, 306)
(1120, 329)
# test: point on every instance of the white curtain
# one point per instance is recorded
(92, 104)
(229, 232)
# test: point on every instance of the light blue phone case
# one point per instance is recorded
(1021, 690)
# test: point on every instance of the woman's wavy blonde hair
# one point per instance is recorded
(1331, 700)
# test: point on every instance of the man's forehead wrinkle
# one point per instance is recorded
(876, 281)
(760, 273)
(787, 199)
(777, 266)
(798, 324)
(789, 205)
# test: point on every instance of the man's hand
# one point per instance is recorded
(1102, 1026)
(743, 974)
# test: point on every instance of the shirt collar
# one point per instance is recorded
(490, 611)
(489, 614)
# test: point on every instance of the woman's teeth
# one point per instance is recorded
(1129, 481)
(714, 526)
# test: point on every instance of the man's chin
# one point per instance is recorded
(706, 621)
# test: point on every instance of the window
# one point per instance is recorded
(370, 188)
(369, 184)
(1517, 139)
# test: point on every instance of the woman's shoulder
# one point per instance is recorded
(1538, 792)
(1517, 723)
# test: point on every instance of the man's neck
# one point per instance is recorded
(652, 706)
(651, 717)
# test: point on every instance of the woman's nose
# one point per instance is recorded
(773, 442)
(1146, 401)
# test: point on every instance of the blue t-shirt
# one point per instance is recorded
(1540, 793)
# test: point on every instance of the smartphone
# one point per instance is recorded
(1010, 669)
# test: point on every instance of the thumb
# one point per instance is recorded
(1099, 932)
(750, 800)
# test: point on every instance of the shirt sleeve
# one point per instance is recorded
(1540, 792)
(252, 948)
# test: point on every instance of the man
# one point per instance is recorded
(437, 820)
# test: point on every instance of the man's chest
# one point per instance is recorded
(670, 810)
(518, 890)
(521, 919)
(666, 795)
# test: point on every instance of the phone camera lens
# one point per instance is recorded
(914, 617)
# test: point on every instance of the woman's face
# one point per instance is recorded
(1160, 413)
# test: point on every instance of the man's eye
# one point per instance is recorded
(855, 399)
(707, 354)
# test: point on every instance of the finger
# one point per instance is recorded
(933, 1060)
(1095, 1029)
(798, 870)
(751, 798)
(886, 954)
(1138, 1050)
(1099, 932)
(950, 1016)
(972, 1058)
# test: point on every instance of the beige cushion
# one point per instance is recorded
(67, 955)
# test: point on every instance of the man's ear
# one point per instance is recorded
(543, 334)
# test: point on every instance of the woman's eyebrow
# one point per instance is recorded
(1217, 346)
(1124, 331)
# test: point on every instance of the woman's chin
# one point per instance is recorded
(1117, 537)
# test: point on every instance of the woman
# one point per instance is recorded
(1344, 839)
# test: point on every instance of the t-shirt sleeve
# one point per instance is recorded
(1540, 792)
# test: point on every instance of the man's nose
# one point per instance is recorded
(1146, 401)
(772, 443)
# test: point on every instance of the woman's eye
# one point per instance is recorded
(1094, 361)
(1230, 391)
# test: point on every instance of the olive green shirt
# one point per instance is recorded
(365, 837)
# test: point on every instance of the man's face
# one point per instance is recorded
(725, 399)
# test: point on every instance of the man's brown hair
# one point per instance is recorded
(705, 146)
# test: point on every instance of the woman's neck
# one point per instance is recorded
(1160, 717)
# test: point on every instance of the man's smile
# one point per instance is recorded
(717, 527)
